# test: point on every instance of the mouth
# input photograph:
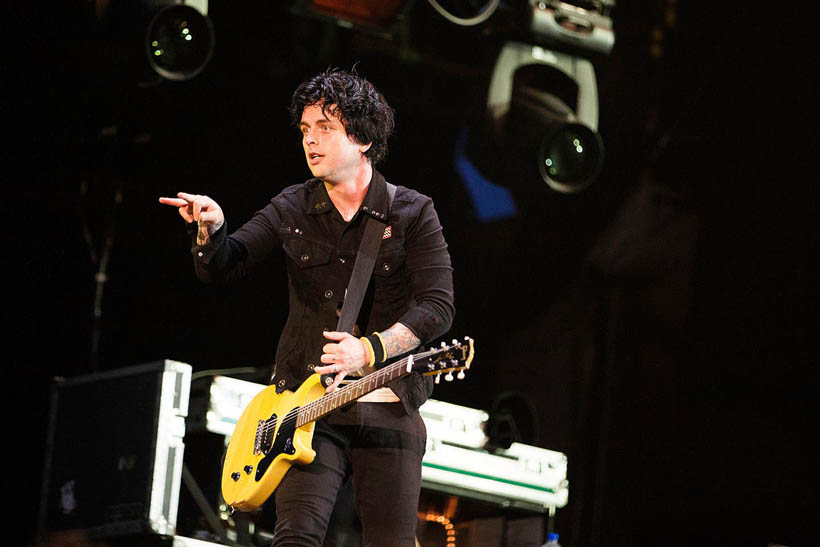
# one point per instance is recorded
(314, 158)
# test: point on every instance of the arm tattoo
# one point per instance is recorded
(399, 339)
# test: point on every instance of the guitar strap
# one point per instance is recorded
(362, 270)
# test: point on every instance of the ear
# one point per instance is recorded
(365, 147)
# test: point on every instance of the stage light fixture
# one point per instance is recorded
(541, 120)
(584, 26)
(179, 41)
(176, 37)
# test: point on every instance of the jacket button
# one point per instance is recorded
(305, 258)
(328, 294)
(281, 383)
(311, 366)
(386, 267)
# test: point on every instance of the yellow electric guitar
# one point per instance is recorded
(276, 429)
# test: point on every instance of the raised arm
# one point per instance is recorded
(218, 256)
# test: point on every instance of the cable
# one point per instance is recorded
(482, 16)
(222, 371)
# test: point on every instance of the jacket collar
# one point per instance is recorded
(375, 203)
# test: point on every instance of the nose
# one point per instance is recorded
(309, 137)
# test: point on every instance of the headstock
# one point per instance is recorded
(449, 358)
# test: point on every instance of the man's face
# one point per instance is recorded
(332, 155)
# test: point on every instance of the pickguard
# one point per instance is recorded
(282, 444)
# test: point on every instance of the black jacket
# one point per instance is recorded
(412, 280)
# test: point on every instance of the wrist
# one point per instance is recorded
(377, 346)
(202, 233)
(369, 354)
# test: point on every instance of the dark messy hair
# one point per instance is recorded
(360, 107)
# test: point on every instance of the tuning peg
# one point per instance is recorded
(449, 377)
(460, 375)
(443, 345)
(438, 378)
(455, 342)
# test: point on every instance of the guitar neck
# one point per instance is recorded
(326, 404)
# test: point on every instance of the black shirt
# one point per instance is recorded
(412, 281)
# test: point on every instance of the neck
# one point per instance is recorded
(329, 402)
(347, 195)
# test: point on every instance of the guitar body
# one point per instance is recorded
(268, 437)
(266, 442)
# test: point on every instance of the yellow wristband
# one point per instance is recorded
(372, 355)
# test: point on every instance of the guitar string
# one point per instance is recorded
(338, 398)
(333, 399)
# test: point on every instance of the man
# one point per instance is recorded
(378, 442)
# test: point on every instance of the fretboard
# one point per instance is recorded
(329, 402)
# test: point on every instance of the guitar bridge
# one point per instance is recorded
(263, 438)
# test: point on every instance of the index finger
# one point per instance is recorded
(188, 197)
(176, 202)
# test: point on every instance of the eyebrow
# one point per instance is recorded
(322, 119)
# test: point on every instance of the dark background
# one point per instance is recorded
(662, 323)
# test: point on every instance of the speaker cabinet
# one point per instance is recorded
(113, 462)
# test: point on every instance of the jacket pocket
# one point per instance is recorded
(389, 264)
(305, 253)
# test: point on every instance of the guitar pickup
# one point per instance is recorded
(262, 439)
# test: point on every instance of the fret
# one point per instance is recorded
(329, 402)
(370, 382)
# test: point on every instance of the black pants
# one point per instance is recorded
(379, 448)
